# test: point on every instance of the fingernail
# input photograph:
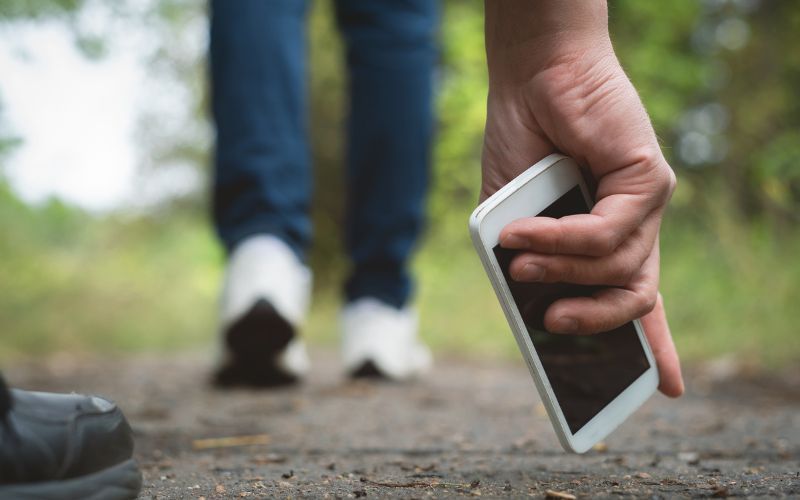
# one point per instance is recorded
(565, 324)
(514, 241)
(531, 272)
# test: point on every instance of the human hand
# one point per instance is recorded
(557, 86)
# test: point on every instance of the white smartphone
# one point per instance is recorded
(589, 384)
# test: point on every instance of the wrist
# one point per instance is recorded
(524, 37)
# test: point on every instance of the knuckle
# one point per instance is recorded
(673, 181)
(650, 155)
(645, 302)
(664, 179)
(666, 183)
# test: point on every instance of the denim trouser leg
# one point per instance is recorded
(391, 52)
(262, 172)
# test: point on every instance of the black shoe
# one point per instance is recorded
(369, 371)
(254, 343)
(65, 446)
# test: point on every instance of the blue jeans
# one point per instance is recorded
(262, 180)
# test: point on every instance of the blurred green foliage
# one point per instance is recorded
(719, 79)
(37, 9)
(71, 281)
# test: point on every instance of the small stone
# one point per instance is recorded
(561, 495)
(720, 492)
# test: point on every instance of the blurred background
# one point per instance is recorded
(104, 171)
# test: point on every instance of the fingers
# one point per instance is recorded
(654, 323)
(608, 308)
(599, 233)
(626, 197)
(617, 269)
(656, 330)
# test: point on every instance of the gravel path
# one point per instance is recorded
(467, 430)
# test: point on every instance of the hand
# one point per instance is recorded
(556, 86)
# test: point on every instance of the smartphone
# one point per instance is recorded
(589, 384)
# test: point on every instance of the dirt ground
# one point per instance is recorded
(469, 429)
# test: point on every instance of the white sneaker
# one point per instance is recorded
(265, 299)
(380, 340)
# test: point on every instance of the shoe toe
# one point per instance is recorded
(380, 338)
(101, 404)
(62, 436)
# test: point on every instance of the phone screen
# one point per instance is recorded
(586, 372)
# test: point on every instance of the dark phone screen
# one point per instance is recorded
(586, 372)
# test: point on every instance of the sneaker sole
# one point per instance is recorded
(119, 482)
(254, 341)
(368, 370)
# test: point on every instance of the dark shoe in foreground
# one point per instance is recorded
(66, 446)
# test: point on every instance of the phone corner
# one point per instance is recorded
(475, 216)
(569, 446)
(474, 226)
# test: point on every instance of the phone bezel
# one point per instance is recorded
(525, 196)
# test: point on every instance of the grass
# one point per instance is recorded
(732, 289)
(133, 284)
